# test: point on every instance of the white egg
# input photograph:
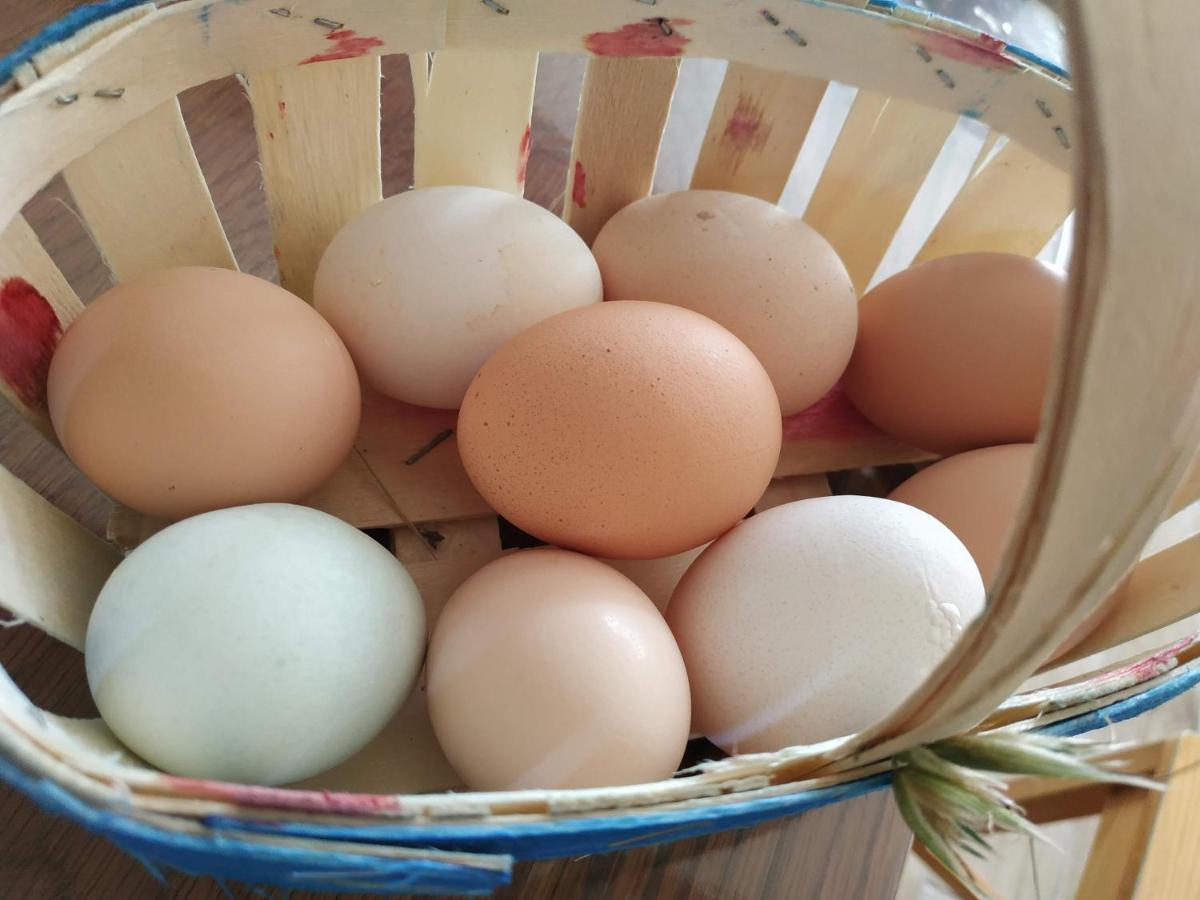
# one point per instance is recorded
(817, 618)
(425, 285)
(259, 644)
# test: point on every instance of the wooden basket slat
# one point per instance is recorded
(622, 113)
(318, 140)
(1122, 425)
(879, 49)
(882, 155)
(405, 468)
(1161, 590)
(1188, 491)
(144, 198)
(36, 306)
(176, 47)
(1012, 204)
(757, 127)
(472, 111)
(51, 568)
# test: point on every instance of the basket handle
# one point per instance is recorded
(1121, 422)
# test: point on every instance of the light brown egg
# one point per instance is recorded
(761, 272)
(977, 495)
(189, 389)
(548, 669)
(955, 353)
(623, 429)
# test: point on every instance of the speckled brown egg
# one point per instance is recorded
(763, 273)
(190, 389)
(955, 353)
(627, 429)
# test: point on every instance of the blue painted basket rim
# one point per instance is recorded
(77, 19)
(566, 836)
(61, 30)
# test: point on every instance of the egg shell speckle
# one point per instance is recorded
(624, 429)
(816, 618)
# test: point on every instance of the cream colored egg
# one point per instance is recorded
(815, 619)
(259, 644)
(548, 669)
(423, 286)
(759, 271)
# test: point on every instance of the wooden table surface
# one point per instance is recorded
(852, 850)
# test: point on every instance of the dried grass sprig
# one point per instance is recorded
(950, 796)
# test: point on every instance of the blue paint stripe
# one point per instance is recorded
(231, 857)
(546, 840)
(60, 30)
(569, 837)
(1041, 61)
(237, 859)
(1126, 709)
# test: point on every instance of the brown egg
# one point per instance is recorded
(977, 495)
(189, 389)
(955, 353)
(625, 429)
(761, 272)
(547, 669)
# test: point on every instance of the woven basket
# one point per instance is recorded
(95, 98)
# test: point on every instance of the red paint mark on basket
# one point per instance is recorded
(275, 250)
(283, 106)
(832, 417)
(985, 51)
(579, 186)
(282, 798)
(745, 130)
(1152, 666)
(29, 332)
(523, 155)
(346, 45)
(649, 37)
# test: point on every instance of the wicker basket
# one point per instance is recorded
(94, 98)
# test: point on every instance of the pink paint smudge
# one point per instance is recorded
(833, 417)
(649, 37)
(276, 251)
(29, 333)
(523, 155)
(335, 802)
(745, 130)
(579, 186)
(985, 51)
(347, 45)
